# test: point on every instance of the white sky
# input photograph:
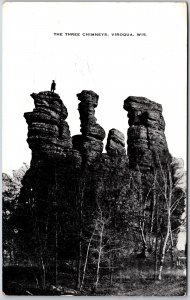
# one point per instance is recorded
(154, 66)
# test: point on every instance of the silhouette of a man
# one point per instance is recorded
(53, 85)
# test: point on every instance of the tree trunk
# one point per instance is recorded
(164, 246)
(99, 257)
(156, 244)
(43, 274)
(156, 260)
(167, 196)
(154, 205)
(79, 262)
(80, 212)
(56, 244)
(86, 260)
(110, 269)
(172, 246)
(144, 250)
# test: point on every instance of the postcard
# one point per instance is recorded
(94, 148)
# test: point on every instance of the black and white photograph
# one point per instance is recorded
(94, 148)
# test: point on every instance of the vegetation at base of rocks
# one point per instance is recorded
(11, 186)
(83, 222)
(111, 234)
(130, 280)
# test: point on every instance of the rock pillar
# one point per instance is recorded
(48, 132)
(147, 146)
(90, 142)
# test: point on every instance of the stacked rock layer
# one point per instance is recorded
(48, 132)
(90, 142)
(115, 143)
(147, 146)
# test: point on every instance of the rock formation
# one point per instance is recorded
(147, 145)
(115, 143)
(90, 142)
(73, 192)
(48, 132)
(49, 136)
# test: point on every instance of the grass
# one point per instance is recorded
(132, 280)
(169, 286)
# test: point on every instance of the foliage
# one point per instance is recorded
(95, 218)
(11, 186)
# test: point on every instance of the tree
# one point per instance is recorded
(171, 202)
(11, 186)
(158, 204)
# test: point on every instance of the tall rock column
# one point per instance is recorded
(90, 142)
(147, 146)
(48, 132)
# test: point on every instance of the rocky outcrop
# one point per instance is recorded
(89, 143)
(49, 135)
(71, 186)
(147, 145)
(115, 143)
(48, 132)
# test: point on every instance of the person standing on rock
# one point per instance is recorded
(53, 85)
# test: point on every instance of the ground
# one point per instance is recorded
(131, 282)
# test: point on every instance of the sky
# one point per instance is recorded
(115, 67)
